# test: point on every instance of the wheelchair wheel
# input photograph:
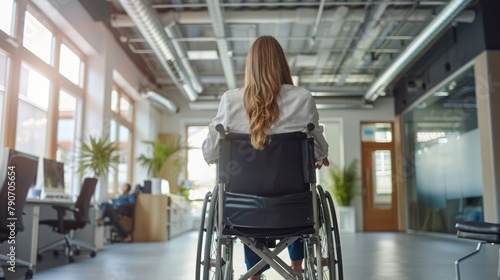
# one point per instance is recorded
(211, 243)
(336, 235)
(201, 235)
(331, 260)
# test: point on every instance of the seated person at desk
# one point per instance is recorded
(121, 205)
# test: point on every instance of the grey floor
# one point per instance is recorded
(372, 256)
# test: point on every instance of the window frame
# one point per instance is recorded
(119, 120)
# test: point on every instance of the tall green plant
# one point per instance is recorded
(97, 155)
(162, 152)
(344, 182)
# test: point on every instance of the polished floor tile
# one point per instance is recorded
(367, 256)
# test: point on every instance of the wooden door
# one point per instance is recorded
(379, 192)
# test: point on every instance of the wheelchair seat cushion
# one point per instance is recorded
(250, 211)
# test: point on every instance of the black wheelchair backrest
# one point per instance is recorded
(284, 166)
(267, 192)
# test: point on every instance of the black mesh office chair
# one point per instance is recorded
(68, 226)
(15, 186)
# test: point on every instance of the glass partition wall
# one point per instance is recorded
(442, 157)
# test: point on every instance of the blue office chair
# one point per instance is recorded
(64, 226)
(15, 189)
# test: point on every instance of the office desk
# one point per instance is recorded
(35, 236)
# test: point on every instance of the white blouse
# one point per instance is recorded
(297, 109)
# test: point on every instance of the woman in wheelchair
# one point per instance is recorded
(268, 104)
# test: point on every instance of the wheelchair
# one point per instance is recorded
(268, 199)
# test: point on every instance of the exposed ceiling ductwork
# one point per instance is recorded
(336, 49)
(218, 26)
(300, 16)
(162, 101)
(146, 20)
(416, 47)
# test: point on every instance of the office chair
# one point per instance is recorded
(483, 233)
(23, 175)
(126, 216)
(68, 226)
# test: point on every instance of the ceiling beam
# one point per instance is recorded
(370, 32)
(294, 4)
(146, 20)
(302, 16)
(217, 19)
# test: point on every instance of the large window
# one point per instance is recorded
(6, 17)
(34, 93)
(442, 157)
(67, 135)
(200, 175)
(70, 65)
(121, 129)
(37, 38)
(49, 95)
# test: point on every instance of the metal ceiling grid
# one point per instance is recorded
(337, 49)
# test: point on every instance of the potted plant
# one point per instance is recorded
(162, 157)
(96, 156)
(344, 188)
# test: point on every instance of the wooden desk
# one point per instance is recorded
(150, 218)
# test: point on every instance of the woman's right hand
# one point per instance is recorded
(324, 162)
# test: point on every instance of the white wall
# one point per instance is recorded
(351, 137)
(147, 120)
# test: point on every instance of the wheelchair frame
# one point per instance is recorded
(215, 250)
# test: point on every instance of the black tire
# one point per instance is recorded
(92, 254)
(201, 235)
(211, 245)
(326, 239)
(336, 236)
(71, 259)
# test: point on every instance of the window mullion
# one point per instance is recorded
(54, 99)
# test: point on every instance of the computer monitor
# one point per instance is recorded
(147, 186)
(53, 178)
(6, 156)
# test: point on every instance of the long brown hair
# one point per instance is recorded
(266, 71)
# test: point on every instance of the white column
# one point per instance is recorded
(487, 79)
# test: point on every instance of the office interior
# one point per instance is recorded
(407, 89)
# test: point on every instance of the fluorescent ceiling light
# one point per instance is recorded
(202, 55)
(441, 93)
(204, 105)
